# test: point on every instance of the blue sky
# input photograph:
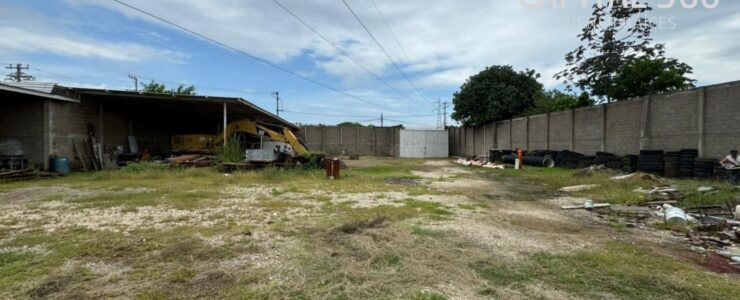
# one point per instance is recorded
(97, 43)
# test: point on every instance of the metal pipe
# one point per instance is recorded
(535, 161)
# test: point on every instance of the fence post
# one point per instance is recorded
(572, 129)
(495, 135)
(547, 131)
(323, 139)
(526, 132)
(511, 134)
(603, 127)
(644, 134)
(700, 113)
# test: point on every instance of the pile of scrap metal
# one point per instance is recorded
(480, 162)
(711, 230)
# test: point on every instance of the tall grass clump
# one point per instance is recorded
(230, 152)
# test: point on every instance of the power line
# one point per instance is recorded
(383, 49)
(390, 30)
(244, 53)
(352, 116)
(323, 37)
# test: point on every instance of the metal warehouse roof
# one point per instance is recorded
(237, 107)
(7, 88)
(44, 87)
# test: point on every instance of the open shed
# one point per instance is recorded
(41, 123)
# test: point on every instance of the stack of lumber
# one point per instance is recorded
(192, 160)
(17, 174)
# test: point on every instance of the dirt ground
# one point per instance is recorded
(447, 232)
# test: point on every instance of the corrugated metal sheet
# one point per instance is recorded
(44, 87)
(424, 144)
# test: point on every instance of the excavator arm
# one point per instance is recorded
(287, 137)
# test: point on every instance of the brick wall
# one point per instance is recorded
(333, 140)
(21, 129)
(705, 118)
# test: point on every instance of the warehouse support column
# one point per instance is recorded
(226, 124)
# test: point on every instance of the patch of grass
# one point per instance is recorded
(424, 232)
(611, 191)
(621, 270)
(428, 296)
(431, 208)
(145, 167)
(386, 260)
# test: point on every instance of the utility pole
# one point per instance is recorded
(381, 120)
(439, 113)
(277, 102)
(18, 75)
(136, 82)
(445, 113)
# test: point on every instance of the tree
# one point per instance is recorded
(160, 88)
(555, 100)
(647, 76)
(496, 93)
(350, 124)
(615, 36)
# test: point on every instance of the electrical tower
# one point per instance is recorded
(18, 75)
(445, 114)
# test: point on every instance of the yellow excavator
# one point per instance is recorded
(203, 143)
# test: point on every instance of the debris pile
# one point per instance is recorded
(480, 162)
(711, 230)
(192, 160)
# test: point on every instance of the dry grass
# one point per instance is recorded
(274, 234)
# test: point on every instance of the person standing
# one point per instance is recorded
(732, 163)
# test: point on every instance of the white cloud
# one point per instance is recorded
(446, 41)
(16, 39)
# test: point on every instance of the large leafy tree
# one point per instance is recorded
(496, 93)
(555, 100)
(159, 88)
(615, 36)
(646, 76)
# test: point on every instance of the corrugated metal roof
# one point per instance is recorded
(10, 89)
(44, 87)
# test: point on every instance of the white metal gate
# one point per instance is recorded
(424, 144)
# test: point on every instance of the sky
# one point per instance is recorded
(432, 47)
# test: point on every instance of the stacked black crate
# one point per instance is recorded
(671, 166)
(629, 163)
(686, 167)
(703, 168)
(651, 161)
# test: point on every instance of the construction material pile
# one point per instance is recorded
(478, 162)
(711, 230)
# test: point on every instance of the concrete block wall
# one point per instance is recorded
(623, 123)
(333, 140)
(519, 133)
(704, 118)
(560, 133)
(588, 129)
(721, 119)
(21, 129)
(503, 135)
(537, 132)
(673, 121)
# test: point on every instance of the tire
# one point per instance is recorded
(650, 158)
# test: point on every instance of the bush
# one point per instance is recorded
(231, 152)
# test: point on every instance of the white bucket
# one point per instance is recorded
(675, 216)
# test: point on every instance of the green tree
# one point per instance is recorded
(555, 100)
(649, 76)
(615, 36)
(496, 93)
(350, 124)
(160, 88)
